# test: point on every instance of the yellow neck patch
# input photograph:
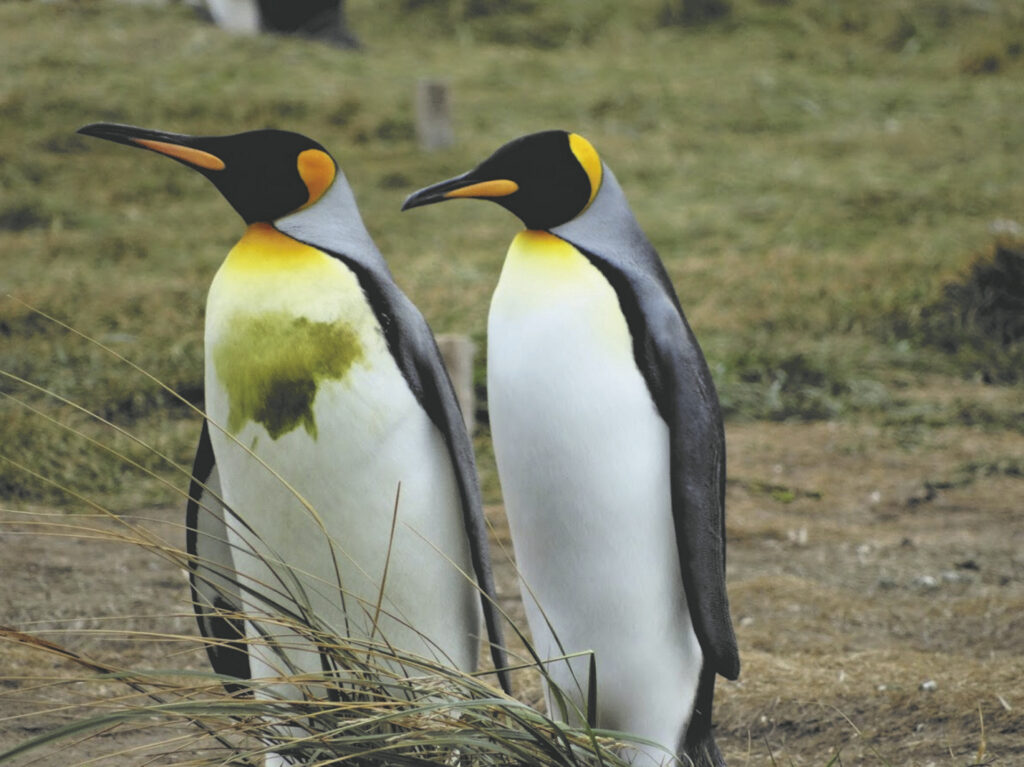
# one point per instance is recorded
(317, 171)
(547, 281)
(539, 243)
(538, 262)
(263, 248)
(589, 160)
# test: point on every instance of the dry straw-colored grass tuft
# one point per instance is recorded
(373, 703)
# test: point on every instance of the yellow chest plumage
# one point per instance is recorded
(283, 318)
(548, 282)
(268, 270)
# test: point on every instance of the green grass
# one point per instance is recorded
(809, 171)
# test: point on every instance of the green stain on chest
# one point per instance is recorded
(273, 364)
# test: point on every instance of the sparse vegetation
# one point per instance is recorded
(979, 318)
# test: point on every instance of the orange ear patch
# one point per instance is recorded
(196, 157)
(589, 160)
(317, 171)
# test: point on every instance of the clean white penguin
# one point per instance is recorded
(330, 415)
(610, 450)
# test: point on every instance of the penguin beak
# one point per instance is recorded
(466, 185)
(177, 146)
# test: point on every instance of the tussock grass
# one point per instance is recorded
(979, 318)
(430, 715)
(373, 703)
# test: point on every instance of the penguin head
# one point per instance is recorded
(264, 174)
(546, 179)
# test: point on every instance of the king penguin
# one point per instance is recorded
(334, 478)
(610, 450)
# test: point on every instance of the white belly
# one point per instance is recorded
(318, 489)
(583, 459)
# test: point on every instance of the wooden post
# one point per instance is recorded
(434, 115)
(458, 352)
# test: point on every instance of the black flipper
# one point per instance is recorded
(678, 378)
(212, 570)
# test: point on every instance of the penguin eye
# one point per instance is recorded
(317, 171)
(589, 160)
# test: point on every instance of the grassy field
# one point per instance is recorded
(814, 174)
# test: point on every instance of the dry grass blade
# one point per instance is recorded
(375, 715)
(130, 678)
(371, 702)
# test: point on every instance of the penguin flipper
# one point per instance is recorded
(687, 400)
(211, 568)
(415, 351)
(677, 376)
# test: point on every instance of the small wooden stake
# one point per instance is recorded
(434, 115)
(458, 352)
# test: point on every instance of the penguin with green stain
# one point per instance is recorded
(329, 416)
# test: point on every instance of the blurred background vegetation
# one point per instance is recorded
(837, 189)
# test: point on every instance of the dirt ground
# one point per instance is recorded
(876, 577)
